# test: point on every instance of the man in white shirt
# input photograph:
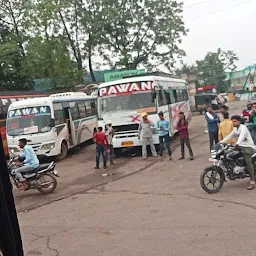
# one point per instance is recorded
(245, 143)
(109, 131)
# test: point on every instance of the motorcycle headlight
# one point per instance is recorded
(48, 146)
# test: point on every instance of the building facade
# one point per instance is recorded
(243, 80)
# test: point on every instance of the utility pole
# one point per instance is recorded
(10, 237)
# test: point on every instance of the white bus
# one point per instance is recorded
(53, 124)
(124, 100)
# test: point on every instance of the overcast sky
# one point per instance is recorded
(225, 24)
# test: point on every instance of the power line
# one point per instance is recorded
(221, 10)
(195, 4)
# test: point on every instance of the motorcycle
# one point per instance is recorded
(43, 178)
(228, 162)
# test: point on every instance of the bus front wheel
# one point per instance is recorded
(64, 151)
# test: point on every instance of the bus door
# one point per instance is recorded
(164, 105)
(68, 118)
(74, 121)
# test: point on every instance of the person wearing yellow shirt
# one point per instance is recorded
(225, 128)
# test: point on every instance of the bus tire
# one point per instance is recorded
(64, 151)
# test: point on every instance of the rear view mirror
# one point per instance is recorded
(52, 122)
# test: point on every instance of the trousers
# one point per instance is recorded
(101, 150)
(214, 137)
(248, 152)
(186, 141)
(22, 169)
(165, 139)
(145, 142)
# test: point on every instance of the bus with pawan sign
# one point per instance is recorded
(124, 100)
(52, 125)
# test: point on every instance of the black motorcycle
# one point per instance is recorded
(228, 162)
(42, 178)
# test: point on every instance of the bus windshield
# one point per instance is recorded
(138, 101)
(29, 121)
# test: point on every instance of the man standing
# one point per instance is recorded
(29, 162)
(145, 134)
(163, 128)
(226, 127)
(245, 143)
(182, 127)
(253, 120)
(213, 126)
(223, 110)
(101, 147)
(110, 134)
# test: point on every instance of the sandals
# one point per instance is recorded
(251, 186)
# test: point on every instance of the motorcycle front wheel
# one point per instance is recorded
(46, 183)
(212, 179)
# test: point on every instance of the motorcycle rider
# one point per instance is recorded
(29, 162)
(245, 144)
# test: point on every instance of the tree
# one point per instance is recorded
(185, 69)
(212, 69)
(11, 62)
(141, 32)
(12, 52)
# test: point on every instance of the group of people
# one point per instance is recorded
(222, 129)
(163, 128)
(104, 146)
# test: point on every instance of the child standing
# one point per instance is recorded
(182, 127)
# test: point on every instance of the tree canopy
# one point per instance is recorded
(64, 38)
(212, 69)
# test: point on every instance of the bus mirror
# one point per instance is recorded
(52, 122)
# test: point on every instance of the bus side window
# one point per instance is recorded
(74, 111)
(58, 114)
(88, 108)
(175, 96)
(181, 95)
(82, 109)
(170, 92)
(162, 97)
(185, 94)
(94, 107)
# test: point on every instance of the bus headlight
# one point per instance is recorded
(48, 146)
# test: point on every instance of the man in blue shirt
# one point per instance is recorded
(213, 126)
(29, 162)
(163, 128)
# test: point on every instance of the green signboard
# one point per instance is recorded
(112, 76)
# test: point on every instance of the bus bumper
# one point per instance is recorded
(126, 141)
